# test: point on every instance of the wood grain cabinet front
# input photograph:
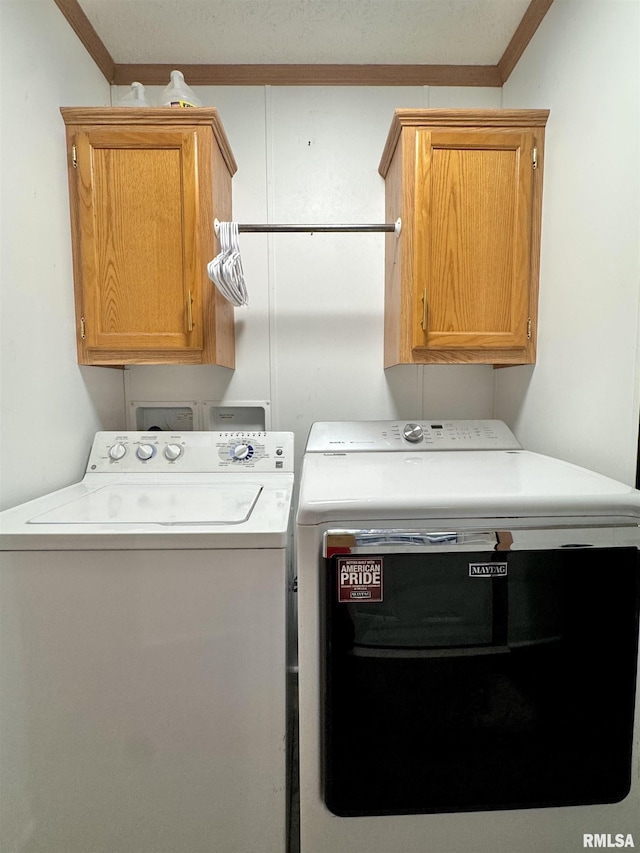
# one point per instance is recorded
(462, 277)
(145, 186)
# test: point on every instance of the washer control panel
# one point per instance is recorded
(353, 436)
(191, 452)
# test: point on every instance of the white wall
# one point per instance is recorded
(311, 340)
(581, 400)
(50, 408)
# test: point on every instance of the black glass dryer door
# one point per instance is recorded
(472, 681)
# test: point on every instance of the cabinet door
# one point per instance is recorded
(472, 240)
(137, 208)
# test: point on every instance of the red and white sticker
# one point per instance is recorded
(360, 579)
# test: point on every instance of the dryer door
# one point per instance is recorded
(459, 678)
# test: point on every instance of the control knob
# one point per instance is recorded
(240, 451)
(172, 451)
(117, 451)
(145, 451)
(412, 433)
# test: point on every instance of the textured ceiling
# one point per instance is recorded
(430, 32)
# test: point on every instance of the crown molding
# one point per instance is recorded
(308, 75)
(83, 28)
(313, 75)
(530, 22)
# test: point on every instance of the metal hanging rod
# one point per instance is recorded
(268, 228)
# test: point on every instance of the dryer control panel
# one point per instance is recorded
(191, 452)
(430, 435)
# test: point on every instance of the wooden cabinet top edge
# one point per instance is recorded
(155, 117)
(476, 118)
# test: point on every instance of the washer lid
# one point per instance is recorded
(160, 503)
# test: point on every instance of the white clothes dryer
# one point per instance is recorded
(468, 644)
(144, 635)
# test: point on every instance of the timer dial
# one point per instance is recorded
(412, 433)
(242, 451)
(172, 451)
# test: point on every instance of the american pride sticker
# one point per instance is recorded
(360, 579)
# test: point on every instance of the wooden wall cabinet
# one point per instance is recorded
(145, 186)
(461, 280)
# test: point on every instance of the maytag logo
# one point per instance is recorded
(606, 840)
(487, 570)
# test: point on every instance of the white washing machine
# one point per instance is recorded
(144, 634)
(468, 645)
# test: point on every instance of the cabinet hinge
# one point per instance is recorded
(529, 328)
(74, 156)
(83, 328)
(534, 157)
(424, 310)
(189, 311)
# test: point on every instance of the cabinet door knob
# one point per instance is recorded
(424, 310)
